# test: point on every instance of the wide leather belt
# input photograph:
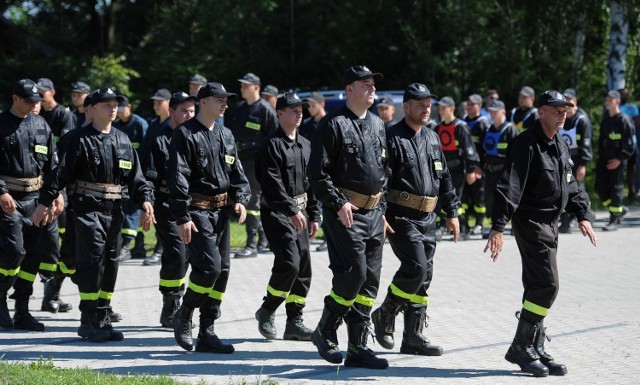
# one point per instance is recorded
(209, 202)
(421, 203)
(22, 184)
(100, 190)
(361, 201)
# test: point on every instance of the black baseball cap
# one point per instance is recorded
(180, 97)
(45, 84)
(123, 101)
(198, 79)
(315, 96)
(250, 78)
(496, 105)
(87, 100)
(81, 87)
(447, 101)
(290, 99)
(614, 94)
(214, 89)
(569, 93)
(27, 89)
(105, 94)
(359, 73)
(475, 99)
(270, 90)
(386, 100)
(553, 98)
(162, 94)
(527, 91)
(417, 91)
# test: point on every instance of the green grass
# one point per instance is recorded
(43, 372)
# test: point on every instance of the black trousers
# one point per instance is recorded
(174, 253)
(208, 255)
(538, 245)
(458, 181)
(98, 225)
(490, 185)
(291, 272)
(20, 249)
(355, 258)
(253, 224)
(67, 261)
(473, 199)
(610, 185)
(414, 244)
(49, 249)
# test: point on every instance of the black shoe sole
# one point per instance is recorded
(357, 364)
(296, 337)
(208, 349)
(334, 359)
(416, 352)
(515, 362)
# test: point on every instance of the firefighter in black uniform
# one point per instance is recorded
(577, 132)
(61, 121)
(536, 185)
(526, 114)
(460, 152)
(290, 214)
(419, 176)
(27, 153)
(252, 121)
(98, 161)
(205, 177)
(473, 195)
(495, 141)
(615, 148)
(79, 93)
(154, 166)
(347, 171)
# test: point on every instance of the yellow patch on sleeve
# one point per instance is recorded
(437, 165)
(41, 149)
(124, 164)
(229, 159)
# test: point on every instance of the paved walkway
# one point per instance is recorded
(594, 322)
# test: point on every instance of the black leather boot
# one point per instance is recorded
(104, 322)
(384, 320)
(296, 330)
(170, 305)
(413, 341)
(614, 222)
(358, 354)
(208, 341)
(555, 369)
(6, 322)
(90, 329)
(22, 319)
(325, 337)
(51, 301)
(266, 325)
(138, 251)
(182, 327)
(523, 353)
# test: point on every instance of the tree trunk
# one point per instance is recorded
(578, 55)
(616, 65)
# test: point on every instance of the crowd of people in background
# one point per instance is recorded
(195, 163)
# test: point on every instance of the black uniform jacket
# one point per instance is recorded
(204, 162)
(28, 149)
(60, 120)
(253, 123)
(281, 170)
(537, 182)
(616, 137)
(92, 156)
(348, 152)
(155, 159)
(584, 133)
(417, 165)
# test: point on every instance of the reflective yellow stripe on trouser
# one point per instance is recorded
(206, 291)
(130, 232)
(615, 209)
(89, 296)
(366, 301)
(277, 293)
(48, 266)
(26, 276)
(340, 300)
(64, 269)
(255, 213)
(414, 298)
(296, 299)
(535, 309)
(10, 273)
(105, 295)
(172, 283)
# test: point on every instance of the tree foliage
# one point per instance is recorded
(455, 46)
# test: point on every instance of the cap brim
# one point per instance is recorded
(294, 105)
(33, 99)
(118, 98)
(268, 93)
(191, 98)
(376, 76)
(494, 109)
(248, 82)
(527, 95)
(559, 103)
